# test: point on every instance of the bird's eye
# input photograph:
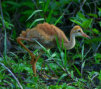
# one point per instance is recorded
(79, 30)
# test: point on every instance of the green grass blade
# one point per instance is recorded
(46, 5)
(59, 19)
(5, 46)
(82, 52)
(63, 75)
(65, 59)
(35, 12)
(49, 16)
(42, 47)
(58, 45)
(87, 52)
(77, 70)
(37, 20)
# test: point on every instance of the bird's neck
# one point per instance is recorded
(71, 42)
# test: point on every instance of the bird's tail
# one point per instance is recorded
(24, 33)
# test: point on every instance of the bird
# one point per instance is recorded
(46, 35)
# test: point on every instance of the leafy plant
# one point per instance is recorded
(7, 24)
(62, 69)
(81, 20)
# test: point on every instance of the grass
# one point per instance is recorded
(23, 72)
(56, 66)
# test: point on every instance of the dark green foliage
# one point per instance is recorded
(79, 68)
(81, 20)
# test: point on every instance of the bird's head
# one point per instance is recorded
(77, 31)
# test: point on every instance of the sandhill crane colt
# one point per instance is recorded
(46, 35)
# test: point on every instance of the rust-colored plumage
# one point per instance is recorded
(46, 35)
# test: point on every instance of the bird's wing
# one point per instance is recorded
(50, 32)
(45, 31)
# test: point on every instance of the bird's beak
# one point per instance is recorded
(85, 35)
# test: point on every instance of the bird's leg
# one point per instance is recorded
(19, 41)
(33, 61)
